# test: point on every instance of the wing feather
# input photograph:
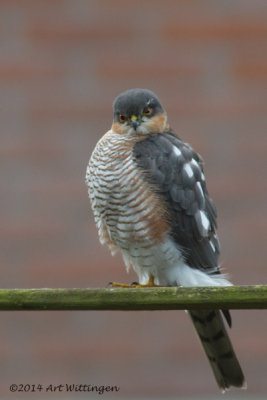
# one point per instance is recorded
(175, 171)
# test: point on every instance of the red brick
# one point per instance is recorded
(11, 230)
(69, 32)
(21, 71)
(121, 68)
(252, 69)
(211, 30)
(68, 109)
(32, 152)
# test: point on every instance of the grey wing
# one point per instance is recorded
(176, 172)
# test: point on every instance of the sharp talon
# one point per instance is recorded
(135, 283)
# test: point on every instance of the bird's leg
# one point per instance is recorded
(150, 283)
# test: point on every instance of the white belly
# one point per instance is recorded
(165, 263)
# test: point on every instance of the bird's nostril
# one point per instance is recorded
(135, 123)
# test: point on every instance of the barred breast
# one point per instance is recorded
(128, 214)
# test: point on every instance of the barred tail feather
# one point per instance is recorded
(218, 348)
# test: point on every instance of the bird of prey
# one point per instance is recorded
(150, 201)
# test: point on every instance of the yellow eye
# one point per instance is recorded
(147, 111)
(122, 118)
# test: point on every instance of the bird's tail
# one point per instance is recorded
(218, 348)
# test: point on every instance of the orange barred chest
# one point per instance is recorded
(125, 206)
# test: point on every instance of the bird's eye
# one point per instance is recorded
(122, 118)
(147, 111)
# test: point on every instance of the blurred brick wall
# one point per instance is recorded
(61, 64)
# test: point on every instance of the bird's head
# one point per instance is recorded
(138, 112)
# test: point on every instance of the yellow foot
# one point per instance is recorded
(122, 285)
(150, 283)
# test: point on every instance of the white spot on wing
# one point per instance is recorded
(200, 189)
(203, 222)
(188, 170)
(177, 151)
(195, 163)
(212, 246)
(203, 177)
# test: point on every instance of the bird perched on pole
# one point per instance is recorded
(150, 201)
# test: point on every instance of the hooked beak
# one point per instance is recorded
(134, 122)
